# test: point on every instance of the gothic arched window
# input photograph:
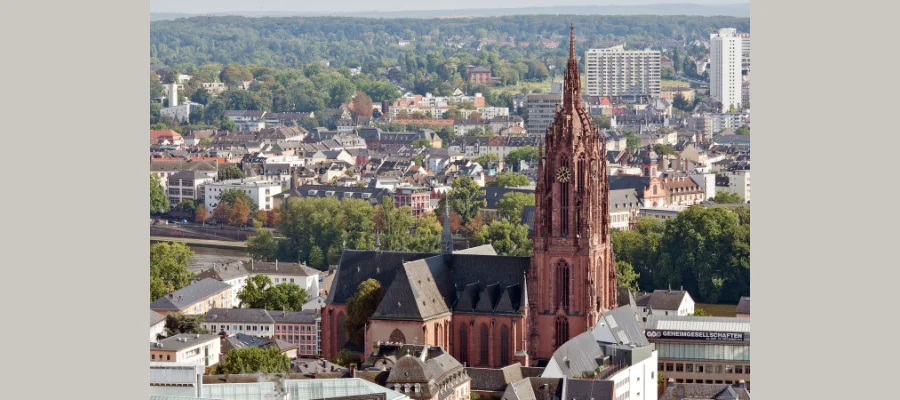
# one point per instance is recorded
(341, 333)
(562, 331)
(397, 336)
(483, 348)
(463, 344)
(562, 284)
(504, 345)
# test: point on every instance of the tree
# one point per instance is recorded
(664, 149)
(360, 308)
(316, 257)
(486, 159)
(362, 105)
(742, 131)
(723, 197)
(230, 172)
(200, 214)
(186, 205)
(699, 312)
(260, 293)
(466, 198)
(201, 96)
(601, 122)
(512, 205)
(626, 277)
(475, 116)
(680, 103)
(239, 212)
(427, 236)
(159, 202)
(346, 357)
(177, 323)
(632, 142)
(394, 223)
(510, 179)
(263, 245)
(420, 143)
(528, 153)
(230, 196)
(235, 73)
(507, 238)
(251, 360)
(168, 268)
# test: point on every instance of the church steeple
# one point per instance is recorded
(446, 237)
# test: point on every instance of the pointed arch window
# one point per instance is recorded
(562, 331)
(483, 348)
(463, 344)
(562, 285)
(397, 336)
(504, 346)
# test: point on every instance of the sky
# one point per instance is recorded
(211, 6)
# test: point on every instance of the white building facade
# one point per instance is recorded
(261, 191)
(615, 71)
(725, 68)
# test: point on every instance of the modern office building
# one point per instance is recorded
(710, 350)
(725, 68)
(616, 72)
(541, 110)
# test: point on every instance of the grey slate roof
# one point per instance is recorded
(534, 389)
(238, 315)
(281, 268)
(223, 272)
(698, 391)
(413, 295)
(743, 306)
(579, 389)
(624, 325)
(156, 317)
(240, 340)
(624, 199)
(496, 380)
(293, 317)
(187, 296)
(175, 343)
(358, 265)
(576, 356)
(666, 299)
(485, 249)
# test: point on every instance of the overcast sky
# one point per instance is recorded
(211, 6)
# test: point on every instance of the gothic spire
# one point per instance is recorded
(446, 237)
(572, 85)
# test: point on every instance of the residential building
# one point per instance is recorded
(187, 185)
(157, 325)
(232, 273)
(417, 197)
(725, 68)
(249, 321)
(705, 391)
(541, 110)
(260, 191)
(684, 190)
(661, 212)
(195, 299)
(743, 307)
(710, 350)
(727, 121)
(166, 168)
(298, 274)
(181, 112)
(170, 378)
(735, 180)
(166, 137)
(187, 348)
(378, 140)
(299, 328)
(669, 93)
(664, 302)
(420, 372)
(213, 88)
(246, 120)
(618, 72)
(702, 124)
(478, 75)
(492, 382)
(274, 120)
(623, 208)
(745, 53)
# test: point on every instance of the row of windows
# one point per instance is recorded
(250, 328)
(727, 352)
(709, 381)
(705, 368)
(168, 357)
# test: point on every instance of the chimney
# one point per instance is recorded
(276, 264)
(353, 370)
(171, 295)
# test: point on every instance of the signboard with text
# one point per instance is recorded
(695, 335)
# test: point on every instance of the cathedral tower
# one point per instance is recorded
(572, 275)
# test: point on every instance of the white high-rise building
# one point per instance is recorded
(725, 67)
(615, 71)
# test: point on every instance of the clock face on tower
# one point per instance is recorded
(562, 175)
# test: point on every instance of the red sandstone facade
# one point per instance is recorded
(572, 267)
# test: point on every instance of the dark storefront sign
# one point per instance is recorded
(695, 335)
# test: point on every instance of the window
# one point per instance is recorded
(669, 367)
(153, 356)
(679, 367)
(168, 357)
(483, 348)
(689, 368)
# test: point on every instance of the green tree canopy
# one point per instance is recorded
(230, 171)
(466, 198)
(723, 197)
(427, 236)
(664, 149)
(527, 153)
(177, 323)
(626, 277)
(229, 196)
(263, 246)
(510, 179)
(159, 202)
(507, 238)
(259, 292)
(513, 203)
(251, 360)
(168, 268)
(360, 308)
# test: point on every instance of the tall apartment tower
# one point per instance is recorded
(542, 109)
(173, 94)
(725, 67)
(745, 53)
(615, 71)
